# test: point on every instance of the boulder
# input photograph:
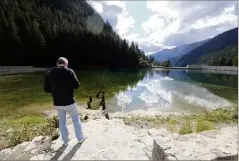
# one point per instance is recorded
(201, 146)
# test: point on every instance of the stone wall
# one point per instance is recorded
(221, 68)
(229, 72)
(194, 66)
(19, 69)
(213, 68)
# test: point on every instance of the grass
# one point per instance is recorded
(203, 125)
(26, 128)
(190, 123)
(186, 126)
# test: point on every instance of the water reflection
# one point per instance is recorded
(127, 90)
(173, 90)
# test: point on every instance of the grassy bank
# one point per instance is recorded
(24, 128)
(187, 123)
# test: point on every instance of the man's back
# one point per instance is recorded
(61, 82)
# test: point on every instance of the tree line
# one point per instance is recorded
(225, 57)
(166, 63)
(37, 32)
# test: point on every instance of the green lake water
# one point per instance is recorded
(125, 90)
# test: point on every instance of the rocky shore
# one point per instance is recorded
(112, 139)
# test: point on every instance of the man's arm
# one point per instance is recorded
(75, 81)
(46, 83)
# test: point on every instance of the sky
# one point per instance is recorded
(156, 25)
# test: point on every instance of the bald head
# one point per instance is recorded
(62, 62)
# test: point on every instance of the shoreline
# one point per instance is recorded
(146, 144)
(142, 118)
(206, 69)
(5, 70)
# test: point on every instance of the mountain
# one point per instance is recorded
(225, 57)
(174, 60)
(37, 32)
(166, 54)
(217, 43)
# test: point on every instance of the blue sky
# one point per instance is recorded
(156, 25)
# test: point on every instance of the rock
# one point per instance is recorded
(5, 153)
(38, 145)
(34, 151)
(107, 139)
(17, 150)
(30, 147)
(38, 157)
(24, 156)
(38, 139)
(195, 146)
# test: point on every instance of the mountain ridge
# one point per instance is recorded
(167, 54)
(217, 43)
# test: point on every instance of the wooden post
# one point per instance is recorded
(89, 103)
(98, 94)
(102, 103)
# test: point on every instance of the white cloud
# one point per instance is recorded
(97, 6)
(162, 23)
(116, 3)
(115, 12)
(125, 22)
(169, 23)
(226, 16)
(143, 43)
(174, 18)
(159, 27)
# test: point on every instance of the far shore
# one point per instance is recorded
(202, 67)
(19, 69)
(231, 70)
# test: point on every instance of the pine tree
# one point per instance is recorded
(46, 29)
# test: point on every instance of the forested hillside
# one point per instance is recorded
(225, 57)
(219, 42)
(37, 32)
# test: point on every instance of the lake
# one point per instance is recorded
(125, 90)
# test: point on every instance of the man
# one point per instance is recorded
(61, 81)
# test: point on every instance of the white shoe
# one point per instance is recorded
(82, 140)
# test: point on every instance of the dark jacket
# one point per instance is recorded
(61, 82)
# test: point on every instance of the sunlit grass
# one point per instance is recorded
(203, 125)
(188, 123)
(186, 126)
(26, 128)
